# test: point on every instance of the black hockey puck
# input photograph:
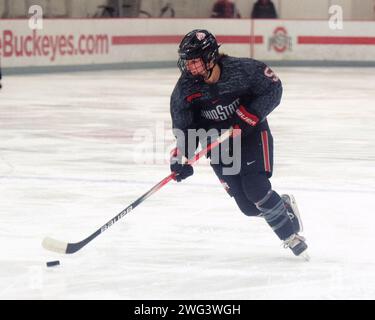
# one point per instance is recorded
(53, 263)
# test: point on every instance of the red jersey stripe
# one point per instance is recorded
(266, 151)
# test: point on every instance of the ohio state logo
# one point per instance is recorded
(200, 35)
(280, 41)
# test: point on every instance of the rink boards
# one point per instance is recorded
(142, 42)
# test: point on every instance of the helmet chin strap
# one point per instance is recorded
(209, 73)
(209, 70)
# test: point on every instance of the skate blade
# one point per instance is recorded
(305, 256)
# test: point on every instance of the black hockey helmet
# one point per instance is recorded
(198, 43)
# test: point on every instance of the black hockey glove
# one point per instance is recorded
(182, 171)
(244, 120)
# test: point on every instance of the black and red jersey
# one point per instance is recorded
(247, 89)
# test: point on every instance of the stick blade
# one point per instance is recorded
(54, 245)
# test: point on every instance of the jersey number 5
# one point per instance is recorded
(270, 74)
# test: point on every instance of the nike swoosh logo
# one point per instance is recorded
(249, 163)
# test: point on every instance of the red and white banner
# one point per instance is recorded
(101, 41)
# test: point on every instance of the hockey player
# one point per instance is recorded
(209, 83)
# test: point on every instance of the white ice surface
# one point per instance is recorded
(67, 166)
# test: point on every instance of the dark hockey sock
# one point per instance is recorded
(273, 210)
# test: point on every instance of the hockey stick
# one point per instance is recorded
(68, 248)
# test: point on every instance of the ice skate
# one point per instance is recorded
(297, 244)
(293, 212)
